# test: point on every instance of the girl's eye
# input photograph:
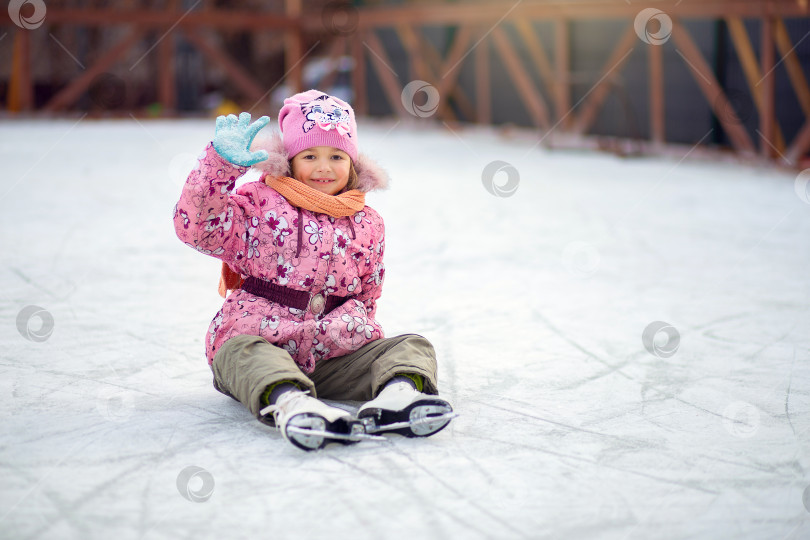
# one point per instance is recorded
(337, 156)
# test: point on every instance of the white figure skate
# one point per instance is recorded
(400, 408)
(311, 424)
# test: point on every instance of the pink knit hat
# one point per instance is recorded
(313, 118)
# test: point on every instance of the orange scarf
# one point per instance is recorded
(301, 195)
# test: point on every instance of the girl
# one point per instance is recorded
(303, 256)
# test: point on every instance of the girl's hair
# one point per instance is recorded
(352, 183)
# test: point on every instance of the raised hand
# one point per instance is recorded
(233, 137)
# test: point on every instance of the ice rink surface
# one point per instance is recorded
(571, 427)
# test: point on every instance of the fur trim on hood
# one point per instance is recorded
(370, 176)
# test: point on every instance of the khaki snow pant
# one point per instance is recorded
(246, 365)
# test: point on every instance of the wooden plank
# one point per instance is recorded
(359, 77)
(293, 48)
(240, 77)
(487, 12)
(382, 65)
(21, 88)
(593, 103)
(448, 71)
(750, 65)
(563, 71)
(793, 66)
(68, 95)
(167, 87)
(407, 35)
(419, 67)
(712, 91)
(538, 54)
(155, 19)
(458, 50)
(532, 99)
(483, 99)
(456, 91)
(800, 145)
(26, 81)
(483, 13)
(767, 116)
(657, 111)
(746, 54)
(435, 62)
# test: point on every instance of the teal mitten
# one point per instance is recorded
(233, 137)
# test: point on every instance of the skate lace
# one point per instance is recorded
(283, 404)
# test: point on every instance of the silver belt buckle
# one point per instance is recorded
(317, 303)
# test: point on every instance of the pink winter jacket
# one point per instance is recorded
(258, 233)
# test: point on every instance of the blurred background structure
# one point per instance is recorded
(626, 73)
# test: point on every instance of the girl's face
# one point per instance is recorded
(323, 168)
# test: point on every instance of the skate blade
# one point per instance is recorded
(431, 424)
(355, 436)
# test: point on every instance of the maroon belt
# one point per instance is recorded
(317, 303)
